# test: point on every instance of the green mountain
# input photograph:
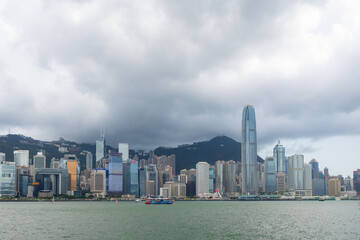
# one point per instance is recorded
(218, 148)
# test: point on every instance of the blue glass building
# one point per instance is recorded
(270, 175)
(115, 171)
(314, 169)
(249, 152)
(132, 177)
(211, 180)
(279, 155)
(7, 179)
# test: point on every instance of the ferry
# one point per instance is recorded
(159, 201)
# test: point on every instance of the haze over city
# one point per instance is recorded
(166, 73)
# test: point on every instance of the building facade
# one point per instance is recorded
(7, 179)
(250, 182)
(202, 178)
(270, 175)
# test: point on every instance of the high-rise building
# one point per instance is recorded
(132, 177)
(219, 177)
(192, 175)
(314, 168)
(270, 175)
(211, 179)
(307, 177)
(89, 160)
(21, 158)
(2, 157)
(152, 175)
(172, 163)
(98, 181)
(250, 180)
(279, 156)
(182, 178)
(296, 172)
(170, 185)
(7, 179)
(202, 178)
(124, 149)
(54, 163)
(280, 182)
(142, 182)
(115, 181)
(51, 179)
(334, 187)
(40, 160)
(72, 166)
(230, 176)
(356, 181)
(21, 181)
(179, 190)
(100, 150)
(150, 188)
(326, 172)
(318, 187)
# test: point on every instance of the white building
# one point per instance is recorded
(202, 178)
(307, 177)
(21, 158)
(296, 172)
(124, 149)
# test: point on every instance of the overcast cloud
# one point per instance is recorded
(169, 72)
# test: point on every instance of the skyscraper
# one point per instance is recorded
(270, 175)
(314, 169)
(7, 179)
(40, 160)
(115, 166)
(219, 176)
(89, 160)
(202, 178)
(249, 152)
(21, 158)
(100, 150)
(307, 177)
(296, 172)
(230, 176)
(279, 156)
(356, 180)
(124, 149)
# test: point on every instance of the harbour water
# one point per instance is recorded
(182, 220)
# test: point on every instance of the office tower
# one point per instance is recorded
(142, 163)
(307, 177)
(334, 187)
(2, 157)
(150, 188)
(318, 187)
(179, 190)
(249, 152)
(280, 182)
(219, 177)
(51, 179)
(21, 181)
(182, 178)
(164, 192)
(72, 174)
(202, 178)
(89, 160)
(132, 177)
(115, 167)
(279, 156)
(21, 158)
(142, 182)
(54, 163)
(152, 175)
(170, 185)
(230, 176)
(270, 175)
(356, 181)
(100, 150)
(40, 160)
(347, 183)
(98, 181)
(7, 179)
(296, 172)
(326, 172)
(261, 176)
(192, 175)
(314, 169)
(124, 149)
(172, 163)
(211, 179)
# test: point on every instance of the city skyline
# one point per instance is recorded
(161, 73)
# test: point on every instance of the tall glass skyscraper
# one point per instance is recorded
(296, 172)
(100, 150)
(7, 179)
(115, 180)
(279, 155)
(270, 175)
(249, 152)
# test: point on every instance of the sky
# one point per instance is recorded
(164, 73)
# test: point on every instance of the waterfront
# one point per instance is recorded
(183, 220)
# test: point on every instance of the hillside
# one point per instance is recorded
(218, 148)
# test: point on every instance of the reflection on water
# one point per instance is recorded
(183, 220)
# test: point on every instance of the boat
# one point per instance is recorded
(166, 201)
(138, 200)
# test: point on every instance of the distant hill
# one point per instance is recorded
(10, 143)
(218, 148)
